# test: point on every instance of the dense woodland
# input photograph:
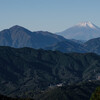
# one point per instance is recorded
(96, 94)
(27, 72)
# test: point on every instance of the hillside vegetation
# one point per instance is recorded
(96, 94)
(26, 72)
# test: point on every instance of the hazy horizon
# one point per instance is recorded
(48, 15)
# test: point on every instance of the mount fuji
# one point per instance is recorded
(81, 31)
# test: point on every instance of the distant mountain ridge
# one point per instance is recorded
(92, 45)
(18, 36)
(68, 47)
(81, 31)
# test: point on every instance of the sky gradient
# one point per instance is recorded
(48, 15)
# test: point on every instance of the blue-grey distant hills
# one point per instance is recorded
(68, 46)
(18, 36)
(92, 45)
(81, 31)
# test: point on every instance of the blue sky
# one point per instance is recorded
(48, 15)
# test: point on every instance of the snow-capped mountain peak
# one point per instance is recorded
(86, 24)
(81, 31)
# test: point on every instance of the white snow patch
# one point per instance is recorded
(86, 24)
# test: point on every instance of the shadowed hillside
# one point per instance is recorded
(26, 72)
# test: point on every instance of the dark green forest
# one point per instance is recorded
(28, 72)
(96, 94)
